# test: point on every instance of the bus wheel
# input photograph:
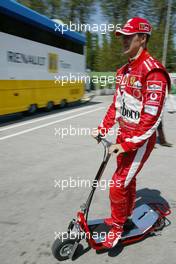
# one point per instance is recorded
(32, 109)
(49, 106)
(63, 103)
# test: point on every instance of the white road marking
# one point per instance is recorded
(51, 123)
(43, 118)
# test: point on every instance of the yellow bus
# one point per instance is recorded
(32, 56)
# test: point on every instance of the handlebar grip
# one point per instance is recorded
(99, 138)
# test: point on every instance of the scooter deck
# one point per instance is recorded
(144, 217)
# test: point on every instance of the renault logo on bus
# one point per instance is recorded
(53, 62)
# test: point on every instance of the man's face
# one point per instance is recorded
(132, 43)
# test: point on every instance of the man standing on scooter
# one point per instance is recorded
(141, 87)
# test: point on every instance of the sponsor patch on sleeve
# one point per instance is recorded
(153, 97)
(150, 109)
(154, 85)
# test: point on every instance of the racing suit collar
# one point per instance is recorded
(136, 56)
(136, 60)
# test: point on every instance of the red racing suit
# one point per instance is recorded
(141, 88)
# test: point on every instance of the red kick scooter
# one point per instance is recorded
(146, 219)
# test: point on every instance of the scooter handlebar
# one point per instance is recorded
(105, 142)
(101, 139)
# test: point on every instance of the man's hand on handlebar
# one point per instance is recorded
(96, 135)
(116, 149)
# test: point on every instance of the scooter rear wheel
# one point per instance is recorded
(62, 248)
(160, 224)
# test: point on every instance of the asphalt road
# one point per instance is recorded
(33, 208)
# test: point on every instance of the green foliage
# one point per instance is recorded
(77, 11)
(54, 7)
(104, 52)
(116, 59)
(95, 55)
(37, 5)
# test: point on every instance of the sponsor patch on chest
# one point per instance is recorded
(134, 81)
(130, 108)
(123, 82)
(119, 78)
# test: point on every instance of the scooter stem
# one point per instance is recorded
(106, 144)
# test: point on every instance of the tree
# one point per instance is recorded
(89, 63)
(116, 11)
(37, 5)
(54, 8)
(96, 54)
(104, 54)
(154, 11)
(77, 11)
(116, 57)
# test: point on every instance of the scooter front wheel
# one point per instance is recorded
(62, 248)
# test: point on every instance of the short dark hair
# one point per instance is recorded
(147, 38)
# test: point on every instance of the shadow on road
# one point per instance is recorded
(80, 251)
(144, 195)
(147, 195)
